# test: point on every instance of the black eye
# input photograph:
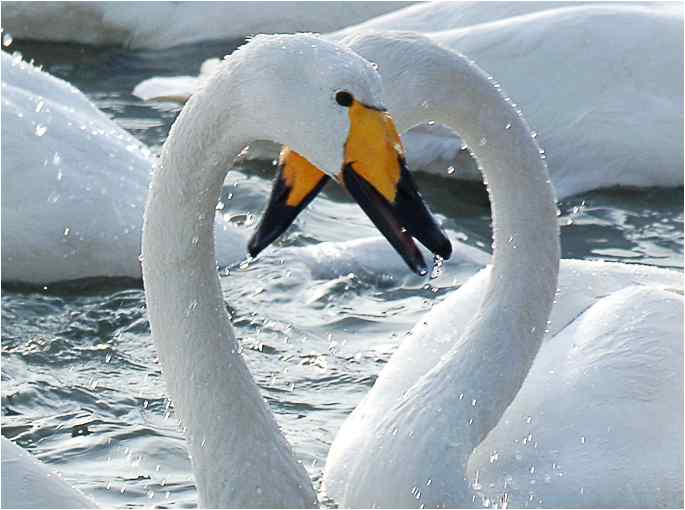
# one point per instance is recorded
(344, 98)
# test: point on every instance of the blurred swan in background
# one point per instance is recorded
(73, 185)
(28, 483)
(601, 85)
(445, 422)
(157, 25)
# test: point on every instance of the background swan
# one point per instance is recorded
(28, 483)
(607, 117)
(609, 370)
(600, 84)
(73, 185)
(166, 24)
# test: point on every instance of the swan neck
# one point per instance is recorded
(240, 457)
(491, 360)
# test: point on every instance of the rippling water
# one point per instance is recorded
(81, 384)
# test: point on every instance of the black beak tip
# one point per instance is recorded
(444, 249)
(254, 247)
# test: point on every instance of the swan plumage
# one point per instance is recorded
(73, 185)
(28, 483)
(444, 402)
(166, 24)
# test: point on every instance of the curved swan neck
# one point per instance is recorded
(240, 457)
(488, 364)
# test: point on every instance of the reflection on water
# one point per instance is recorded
(81, 384)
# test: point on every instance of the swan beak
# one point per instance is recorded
(297, 183)
(376, 175)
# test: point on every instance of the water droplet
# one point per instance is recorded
(534, 134)
(473, 403)
(582, 439)
(7, 39)
(532, 470)
(40, 105)
(40, 130)
(195, 240)
(508, 126)
(461, 396)
(220, 206)
(67, 230)
(450, 170)
(483, 141)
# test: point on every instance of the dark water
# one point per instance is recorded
(81, 385)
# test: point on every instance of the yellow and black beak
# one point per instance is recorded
(297, 183)
(375, 174)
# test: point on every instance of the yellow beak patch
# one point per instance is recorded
(373, 149)
(299, 175)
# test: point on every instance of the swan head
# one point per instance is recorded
(324, 102)
(331, 99)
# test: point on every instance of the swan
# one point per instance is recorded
(335, 118)
(73, 185)
(598, 390)
(602, 92)
(28, 483)
(157, 25)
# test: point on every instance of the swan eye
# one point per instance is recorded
(344, 98)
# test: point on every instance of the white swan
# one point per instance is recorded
(73, 185)
(28, 483)
(445, 422)
(600, 84)
(166, 24)
(240, 458)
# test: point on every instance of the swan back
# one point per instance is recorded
(28, 483)
(73, 183)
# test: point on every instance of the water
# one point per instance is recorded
(81, 384)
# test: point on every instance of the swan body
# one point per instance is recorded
(448, 399)
(28, 483)
(158, 25)
(73, 185)
(589, 77)
(609, 371)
